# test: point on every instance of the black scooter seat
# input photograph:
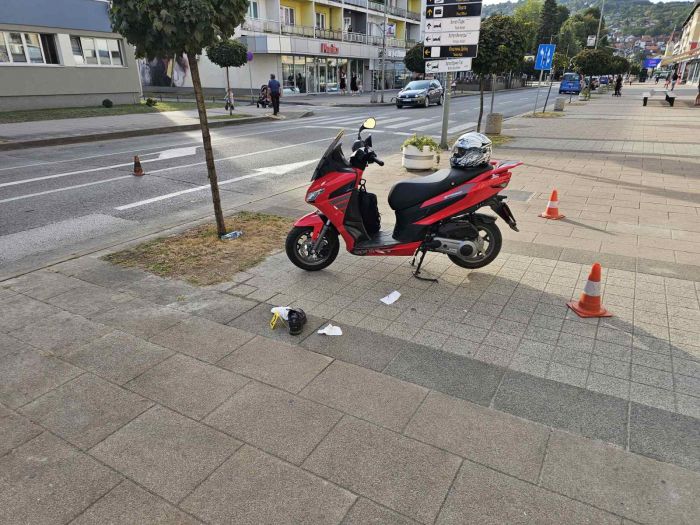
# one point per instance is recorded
(407, 193)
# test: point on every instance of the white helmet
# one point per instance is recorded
(470, 150)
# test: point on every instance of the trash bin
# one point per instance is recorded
(494, 123)
(559, 104)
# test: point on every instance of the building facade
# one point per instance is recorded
(62, 53)
(686, 53)
(309, 45)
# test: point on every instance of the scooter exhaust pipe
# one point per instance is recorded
(453, 246)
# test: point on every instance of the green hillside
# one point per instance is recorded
(634, 17)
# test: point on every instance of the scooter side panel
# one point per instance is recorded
(333, 202)
(311, 220)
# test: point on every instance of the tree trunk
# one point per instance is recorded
(493, 91)
(206, 141)
(228, 94)
(481, 102)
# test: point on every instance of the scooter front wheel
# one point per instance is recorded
(300, 250)
(490, 240)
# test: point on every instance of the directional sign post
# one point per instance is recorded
(451, 41)
(543, 62)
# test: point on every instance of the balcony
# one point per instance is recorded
(272, 26)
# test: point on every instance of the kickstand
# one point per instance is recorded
(416, 273)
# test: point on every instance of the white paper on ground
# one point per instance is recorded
(282, 311)
(329, 329)
(391, 298)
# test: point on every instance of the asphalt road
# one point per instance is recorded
(55, 201)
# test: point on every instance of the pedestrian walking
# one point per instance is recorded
(618, 86)
(674, 78)
(697, 97)
(343, 84)
(668, 80)
(657, 78)
(353, 84)
(275, 93)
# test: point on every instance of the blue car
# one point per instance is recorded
(570, 83)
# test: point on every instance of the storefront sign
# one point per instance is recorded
(453, 10)
(449, 52)
(472, 23)
(330, 49)
(449, 65)
(451, 38)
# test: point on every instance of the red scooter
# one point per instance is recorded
(434, 213)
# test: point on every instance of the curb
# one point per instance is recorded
(77, 139)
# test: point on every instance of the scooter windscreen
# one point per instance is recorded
(319, 167)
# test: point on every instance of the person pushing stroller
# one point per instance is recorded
(264, 97)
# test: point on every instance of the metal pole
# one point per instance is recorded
(250, 76)
(386, 4)
(600, 23)
(446, 113)
(551, 76)
(493, 91)
(538, 92)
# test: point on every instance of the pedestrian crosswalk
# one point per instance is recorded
(403, 125)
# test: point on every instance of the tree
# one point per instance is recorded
(592, 62)
(568, 38)
(560, 62)
(562, 15)
(414, 60)
(528, 15)
(228, 53)
(548, 27)
(501, 49)
(166, 28)
(619, 65)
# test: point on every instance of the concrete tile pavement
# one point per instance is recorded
(275, 432)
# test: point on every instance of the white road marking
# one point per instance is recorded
(412, 122)
(285, 168)
(176, 153)
(78, 172)
(437, 122)
(47, 192)
(461, 127)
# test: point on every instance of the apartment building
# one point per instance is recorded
(686, 53)
(62, 53)
(309, 44)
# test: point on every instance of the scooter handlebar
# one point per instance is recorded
(380, 162)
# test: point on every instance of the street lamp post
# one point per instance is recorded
(386, 4)
(600, 23)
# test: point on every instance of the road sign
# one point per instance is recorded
(472, 23)
(451, 38)
(651, 63)
(449, 52)
(545, 55)
(453, 10)
(590, 41)
(448, 65)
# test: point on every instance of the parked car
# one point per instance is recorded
(570, 83)
(420, 93)
(604, 79)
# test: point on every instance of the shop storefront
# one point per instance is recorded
(320, 74)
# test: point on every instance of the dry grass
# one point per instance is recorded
(499, 140)
(199, 257)
(546, 114)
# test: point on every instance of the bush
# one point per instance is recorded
(107, 103)
(420, 142)
(151, 102)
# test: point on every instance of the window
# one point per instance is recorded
(115, 52)
(77, 50)
(321, 20)
(16, 46)
(287, 15)
(48, 44)
(253, 9)
(96, 51)
(347, 24)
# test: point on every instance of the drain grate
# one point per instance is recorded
(518, 195)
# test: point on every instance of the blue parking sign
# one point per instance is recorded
(545, 55)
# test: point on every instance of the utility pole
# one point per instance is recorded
(600, 23)
(446, 112)
(386, 5)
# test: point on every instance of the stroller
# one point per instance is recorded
(264, 97)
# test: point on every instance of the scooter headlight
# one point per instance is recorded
(313, 195)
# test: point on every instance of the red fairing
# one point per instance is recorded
(312, 220)
(333, 202)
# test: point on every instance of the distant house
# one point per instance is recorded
(63, 53)
(686, 53)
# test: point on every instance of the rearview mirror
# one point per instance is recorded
(370, 123)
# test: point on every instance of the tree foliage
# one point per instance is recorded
(501, 46)
(161, 28)
(619, 65)
(593, 62)
(414, 60)
(549, 22)
(228, 53)
(527, 14)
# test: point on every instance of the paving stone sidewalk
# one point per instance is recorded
(127, 398)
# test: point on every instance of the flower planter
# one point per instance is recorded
(415, 159)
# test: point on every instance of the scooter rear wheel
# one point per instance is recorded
(299, 244)
(491, 237)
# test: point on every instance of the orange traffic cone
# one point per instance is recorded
(552, 211)
(590, 305)
(138, 170)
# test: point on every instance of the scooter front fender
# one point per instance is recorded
(311, 220)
